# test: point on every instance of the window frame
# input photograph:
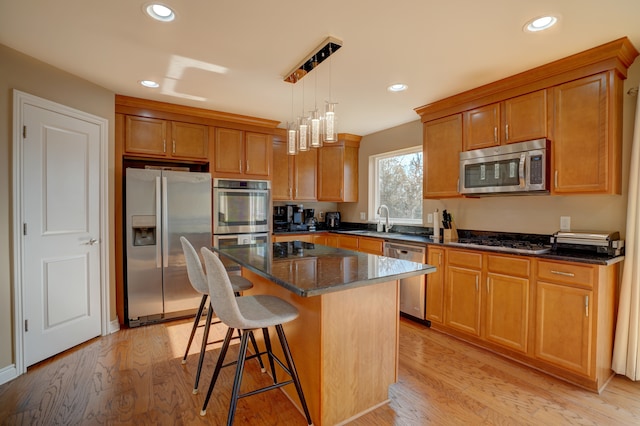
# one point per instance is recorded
(374, 200)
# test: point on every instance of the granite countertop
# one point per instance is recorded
(308, 269)
(569, 256)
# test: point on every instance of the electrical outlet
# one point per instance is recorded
(430, 218)
(321, 216)
(363, 215)
(565, 223)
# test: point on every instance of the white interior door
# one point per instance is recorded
(61, 296)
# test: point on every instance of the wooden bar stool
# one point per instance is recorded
(248, 313)
(199, 283)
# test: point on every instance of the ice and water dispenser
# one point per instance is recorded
(144, 230)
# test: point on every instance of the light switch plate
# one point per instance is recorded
(430, 218)
(363, 215)
(565, 223)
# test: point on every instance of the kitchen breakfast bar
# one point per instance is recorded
(345, 341)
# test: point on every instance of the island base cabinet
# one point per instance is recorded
(345, 346)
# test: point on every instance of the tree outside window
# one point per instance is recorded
(398, 184)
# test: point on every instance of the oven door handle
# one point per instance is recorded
(521, 169)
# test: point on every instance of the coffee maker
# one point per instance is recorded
(295, 216)
(309, 219)
(280, 221)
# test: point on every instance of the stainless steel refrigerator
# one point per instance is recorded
(160, 207)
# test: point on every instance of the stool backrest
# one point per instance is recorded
(221, 293)
(194, 267)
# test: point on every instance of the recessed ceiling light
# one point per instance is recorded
(540, 23)
(160, 12)
(397, 87)
(149, 83)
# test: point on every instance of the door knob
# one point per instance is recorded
(92, 242)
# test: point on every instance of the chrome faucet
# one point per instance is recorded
(387, 226)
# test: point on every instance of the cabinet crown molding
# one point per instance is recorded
(124, 103)
(616, 55)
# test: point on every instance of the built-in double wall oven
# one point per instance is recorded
(241, 213)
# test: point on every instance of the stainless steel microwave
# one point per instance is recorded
(518, 168)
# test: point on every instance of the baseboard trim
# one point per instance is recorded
(114, 326)
(8, 373)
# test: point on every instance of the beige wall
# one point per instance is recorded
(26, 74)
(528, 214)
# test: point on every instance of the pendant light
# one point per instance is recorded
(303, 128)
(330, 124)
(315, 125)
(310, 131)
(292, 132)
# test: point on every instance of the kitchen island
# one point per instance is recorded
(345, 341)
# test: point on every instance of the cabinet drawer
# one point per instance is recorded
(348, 242)
(370, 245)
(567, 273)
(465, 258)
(513, 266)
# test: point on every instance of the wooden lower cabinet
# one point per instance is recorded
(507, 301)
(575, 319)
(435, 285)
(462, 294)
(556, 316)
(279, 238)
(326, 239)
(567, 345)
(371, 245)
(348, 242)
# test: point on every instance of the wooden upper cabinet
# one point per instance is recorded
(442, 143)
(525, 117)
(145, 136)
(228, 151)
(281, 178)
(241, 154)
(257, 154)
(189, 140)
(338, 170)
(481, 127)
(513, 120)
(575, 102)
(152, 137)
(304, 173)
(294, 177)
(586, 143)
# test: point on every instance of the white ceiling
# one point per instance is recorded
(232, 55)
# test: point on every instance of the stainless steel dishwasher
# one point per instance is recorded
(412, 290)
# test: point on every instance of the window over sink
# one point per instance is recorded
(396, 181)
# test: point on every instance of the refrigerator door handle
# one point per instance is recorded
(158, 224)
(165, 224)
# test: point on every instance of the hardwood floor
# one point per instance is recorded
(135, 376)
